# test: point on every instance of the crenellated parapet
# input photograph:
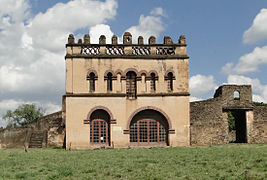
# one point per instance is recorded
(84, 49)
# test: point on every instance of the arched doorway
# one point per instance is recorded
(100, 127)
(149, 128)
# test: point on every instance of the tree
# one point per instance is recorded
(24, 114)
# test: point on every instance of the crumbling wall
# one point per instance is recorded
(209, 119)
(259, 130)
(53, 124)
(13, 137)
(208, 124)
(55, 127)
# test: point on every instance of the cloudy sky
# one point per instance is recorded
(227, 42)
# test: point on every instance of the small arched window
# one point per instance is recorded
(170, 81)
(92, 82)
(109, 81)
(131, 85)
(153, 82)
(236, 95)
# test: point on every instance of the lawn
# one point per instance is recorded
(234, 161)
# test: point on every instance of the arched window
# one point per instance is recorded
(109, 81)
(100, 127)
(236, 95)
(131, 85)
(170, 81)
(92, 82)
(149, 127)
(153, 82)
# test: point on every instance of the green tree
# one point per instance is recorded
(24, 114)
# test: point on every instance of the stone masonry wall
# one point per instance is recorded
(259, 132)
(20, 136)
(207, 124)
(13, 137)
(209, 119)
(55, 127)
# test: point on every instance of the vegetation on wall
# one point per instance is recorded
(24, 114)
(259, 104)
(231, 121)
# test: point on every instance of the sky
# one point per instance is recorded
(227, 42)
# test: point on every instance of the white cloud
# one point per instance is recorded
(98, 30)
(228, 68)
(13, 11)
(257, 98)
(13, 78)
(192, 99)
(248, 63)
(32, 48)
(258, 30)
(259, 90)
(63, 19)
(148, 26)
(200, 85)
(158, 12)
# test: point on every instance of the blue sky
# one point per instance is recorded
(227, 42)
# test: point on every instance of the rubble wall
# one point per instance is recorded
(53, 124)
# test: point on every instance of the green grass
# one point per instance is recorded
(236, 161)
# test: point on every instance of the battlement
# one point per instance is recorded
(84, 49)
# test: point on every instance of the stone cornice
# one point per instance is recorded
(163, 57)
(124, 94)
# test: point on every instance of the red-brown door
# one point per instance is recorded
(148, 132)
(99, 131)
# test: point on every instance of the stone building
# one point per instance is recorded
(128, 95)
(125, 95)
(209, 118)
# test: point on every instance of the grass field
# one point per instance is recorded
(236, 161)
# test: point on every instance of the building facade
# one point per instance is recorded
(125, 95)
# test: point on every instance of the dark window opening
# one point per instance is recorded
(131, 85)
(92, 82)
(170, 81)
(109, 82)
(153, 82)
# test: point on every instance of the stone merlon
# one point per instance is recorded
(169, 49)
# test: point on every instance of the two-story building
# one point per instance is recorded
(124, 95)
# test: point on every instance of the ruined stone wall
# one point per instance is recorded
(55, 127)
(259, 130)
(208, 124)
(13, 137)
(209, 119)
(20, 136)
